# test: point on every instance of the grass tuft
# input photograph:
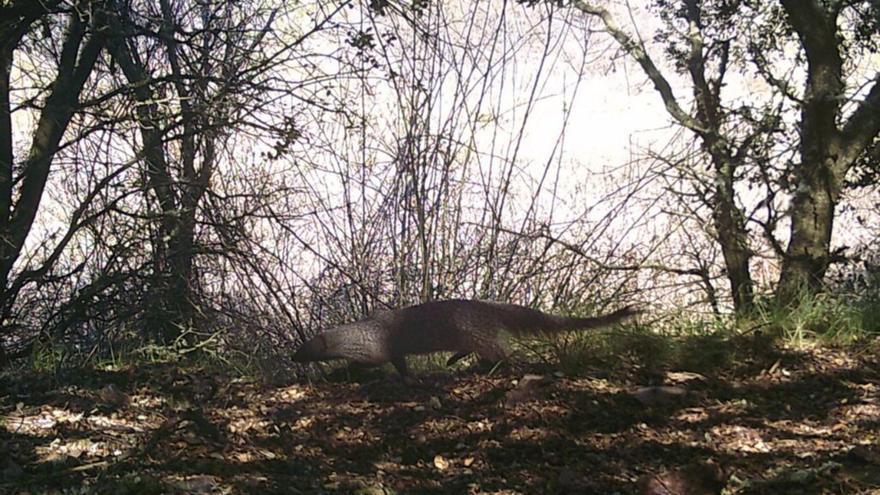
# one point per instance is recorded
(831, 318)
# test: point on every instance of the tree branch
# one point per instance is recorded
(863, 125)
(637, 51)
(73, 70)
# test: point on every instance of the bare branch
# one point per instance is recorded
(637, 51)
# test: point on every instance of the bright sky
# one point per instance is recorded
(615, 116)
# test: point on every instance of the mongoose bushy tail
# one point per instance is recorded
(461, 326)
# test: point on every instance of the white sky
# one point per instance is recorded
(615, 116)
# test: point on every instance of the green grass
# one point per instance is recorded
(212, 353)
(47, 356)
(700, 343)
(706, 344)
(828, 319)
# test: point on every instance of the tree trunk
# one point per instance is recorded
(707, 123)
(6, 152)
(812, 220)
(179, 295)
(823, 162)
(75, 66)
(731, 235)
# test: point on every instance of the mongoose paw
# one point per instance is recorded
(410, 381)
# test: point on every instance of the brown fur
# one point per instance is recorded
(461, 326)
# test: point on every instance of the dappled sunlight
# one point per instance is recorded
(83, 449)
(439, 247)
(40, 423)
(862, 412)
(242, 421)
(455, 432)
(289, 394)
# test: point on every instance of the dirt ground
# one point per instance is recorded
(780, 422)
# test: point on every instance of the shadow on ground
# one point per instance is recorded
(775, 421)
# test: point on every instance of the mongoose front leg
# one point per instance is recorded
(399, 363)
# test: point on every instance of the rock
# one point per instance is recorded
(866, 454)
(569, 481)
(704, 478)
(196, 484)
(651, 396)
(374, 490)
(530, 387)
(685, 377)
(10, 470)
(112, 397)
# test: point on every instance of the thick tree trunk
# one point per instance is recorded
(6, 153)
(812, 220)
(823, 160)
(180, 302)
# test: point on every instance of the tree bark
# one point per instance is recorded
(812, 219)
(826, 151)
(178, 197)
(733, 239)
(75, 66)
(160, 320)
(729, 224)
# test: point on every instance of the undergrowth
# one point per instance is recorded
(211, 352)
(706, 343)
(701, 343)
(828, 318)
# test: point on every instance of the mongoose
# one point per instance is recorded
(461, 326)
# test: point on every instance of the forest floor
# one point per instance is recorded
(772, 421)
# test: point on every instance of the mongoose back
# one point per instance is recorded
(461, 326)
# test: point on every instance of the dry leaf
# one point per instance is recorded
(440, 463)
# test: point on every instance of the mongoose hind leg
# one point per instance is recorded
(399, 363)
(491, 357)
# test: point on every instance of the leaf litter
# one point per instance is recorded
(802, 422)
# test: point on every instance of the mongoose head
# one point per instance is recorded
(314, 349)
(362, 341)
